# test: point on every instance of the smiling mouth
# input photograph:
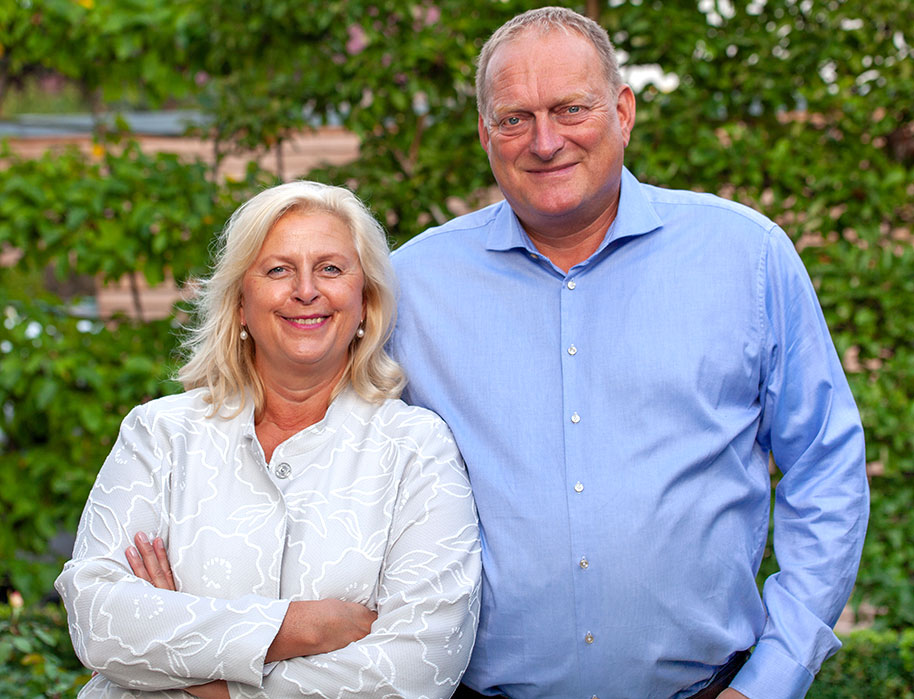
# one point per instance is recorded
(309, 322)
(552, 170)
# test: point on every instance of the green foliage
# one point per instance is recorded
(112, 49)
(799, 109)
(114, 213)
(36, 658)
(65, 384)
(871, 664)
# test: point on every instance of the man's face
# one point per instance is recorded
(555, 135)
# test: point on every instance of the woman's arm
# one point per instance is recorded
(308, 628)
(128, 631)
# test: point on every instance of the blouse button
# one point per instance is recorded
(283, 470)
(575, 418)
(585, 564)
(578, 487)
(571, 284)
(572, 350)
(588, 638)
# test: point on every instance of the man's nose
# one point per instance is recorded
(547, 140)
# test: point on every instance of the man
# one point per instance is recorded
(617, 361)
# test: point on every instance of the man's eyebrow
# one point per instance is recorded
(570, 98)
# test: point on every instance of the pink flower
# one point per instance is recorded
(358, 40)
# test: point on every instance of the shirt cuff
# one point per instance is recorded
(769, 674)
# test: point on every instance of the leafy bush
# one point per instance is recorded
(66, 382)
(871, 665)
(65, 385)
(36, 658)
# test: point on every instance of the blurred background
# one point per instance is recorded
(130, 129)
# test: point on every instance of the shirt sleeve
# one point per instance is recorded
(133, 634)
(812, 428)
(428, 598)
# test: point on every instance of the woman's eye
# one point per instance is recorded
(331, 269)
(276, 270)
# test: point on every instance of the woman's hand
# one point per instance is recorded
(149, 561)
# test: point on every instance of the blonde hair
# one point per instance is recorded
(545, 20)
(221, 362)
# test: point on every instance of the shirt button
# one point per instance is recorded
(585, 564)
(283, 470)
(571, 284)
(578, 487)
(572, 350)
(575, 418)
(588, 638)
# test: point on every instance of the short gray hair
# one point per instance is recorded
(545, 20)
(220, 361)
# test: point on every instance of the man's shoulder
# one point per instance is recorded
(707, 204)
(462, 230)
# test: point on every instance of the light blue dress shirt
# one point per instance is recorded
(617, 422)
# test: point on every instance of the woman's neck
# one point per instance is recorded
(290, 407)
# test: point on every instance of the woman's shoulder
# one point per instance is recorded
(393, 415)
(180, 407)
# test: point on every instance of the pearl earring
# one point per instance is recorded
(244, 334)
(360, 333)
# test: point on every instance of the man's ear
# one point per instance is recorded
(625, 110)
(483, 134)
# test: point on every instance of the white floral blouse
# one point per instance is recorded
(370, 505)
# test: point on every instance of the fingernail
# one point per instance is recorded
(143, 538)
(131, 551)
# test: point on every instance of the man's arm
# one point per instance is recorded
(812, 428)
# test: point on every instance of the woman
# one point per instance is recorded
(321, 533)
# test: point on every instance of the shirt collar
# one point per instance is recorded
(312, 436)
(636, 216)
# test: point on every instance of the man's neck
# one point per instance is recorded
(565, 248)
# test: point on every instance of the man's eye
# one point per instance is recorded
(512, 121)
(574, 109)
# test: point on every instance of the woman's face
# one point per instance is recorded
(302, 297)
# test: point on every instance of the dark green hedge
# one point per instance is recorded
(871, 665)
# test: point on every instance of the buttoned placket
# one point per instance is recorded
(572, 310)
